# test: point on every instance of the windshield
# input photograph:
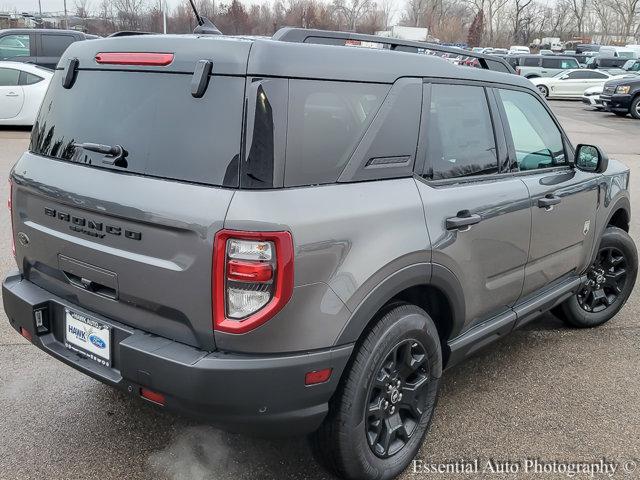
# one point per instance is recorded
(164, 131)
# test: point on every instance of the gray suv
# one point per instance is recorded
(536, 66)
(278, 236)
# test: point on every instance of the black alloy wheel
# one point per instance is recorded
(606, 280)
(397, 398)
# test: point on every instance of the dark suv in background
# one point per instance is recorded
(291, 236)
(622, 96)
(43, 47)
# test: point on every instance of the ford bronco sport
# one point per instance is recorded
(279, 235)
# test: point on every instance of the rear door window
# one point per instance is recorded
(9, 77)
(326, 120)
(551, 63)
(165, 131)
(55, 45)
(460, 136)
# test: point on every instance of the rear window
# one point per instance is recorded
(165, 131)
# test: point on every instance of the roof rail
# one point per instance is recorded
(327, 37)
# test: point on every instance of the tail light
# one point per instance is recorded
(252, 278)
(10, 207)
(518, 71)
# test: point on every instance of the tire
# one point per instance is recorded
(345, 442)
(589, 308)
(544, 91)
(635, 108)
(621, 114)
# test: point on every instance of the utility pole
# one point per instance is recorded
(66, 18)
(164, 16)
(40, 8)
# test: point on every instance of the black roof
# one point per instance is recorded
(267, 57)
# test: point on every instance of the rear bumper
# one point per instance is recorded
(252, 394)
(616, 103)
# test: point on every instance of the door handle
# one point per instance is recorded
(12, 94)
(548, 201)
(462, 220)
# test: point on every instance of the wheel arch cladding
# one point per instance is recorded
(620, 219)
(431, 287)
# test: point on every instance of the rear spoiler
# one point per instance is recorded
(327, 37)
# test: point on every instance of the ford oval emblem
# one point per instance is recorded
(97, 341)
(23, 239)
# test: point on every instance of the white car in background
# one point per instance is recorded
(514, 49)
(571, 83)
(22, 89)
(591, 97)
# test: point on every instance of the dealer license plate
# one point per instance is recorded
(87, 337)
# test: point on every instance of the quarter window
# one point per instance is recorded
(460, 139)
(536, 138)
(326, 121)
(29, 78)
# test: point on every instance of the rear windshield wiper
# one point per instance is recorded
(117, 154)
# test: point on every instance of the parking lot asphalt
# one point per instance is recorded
(546, 392)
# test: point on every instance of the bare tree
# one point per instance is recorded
(352, 11)
(579, 9)
(414, 12)
(627, 11)
(82, 8)
(388, 10)
(519, 20)
(129, 13)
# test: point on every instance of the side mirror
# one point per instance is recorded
(591, 158)
(564, 77)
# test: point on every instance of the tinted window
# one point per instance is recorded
(460, 139)
(530, 62)
(55, 45)
(497, 66)
(9, 77)
(632, 66)
(551, 63)
(326, 120)
(586, 74)
(14, 46)
(568, 63)
(29, 78)
(166, 132)
(536, 138)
